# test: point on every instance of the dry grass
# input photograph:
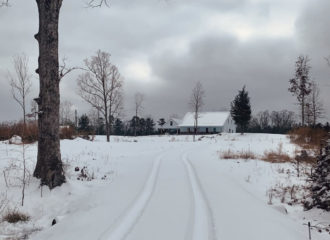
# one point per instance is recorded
(15, 216)
(307, 137)
(7, 130)
(276, 157)
(244, 154)
(67, 132)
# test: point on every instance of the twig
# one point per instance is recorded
(97, 3)
(64, 70)
(5, 177)
(4, 3)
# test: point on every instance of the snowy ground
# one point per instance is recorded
(161, 188)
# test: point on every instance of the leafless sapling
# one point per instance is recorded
(196, 103)
(24, 172)
(20, 83)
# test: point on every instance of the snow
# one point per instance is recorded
(209, 119)
(161, 187)
(203, 226)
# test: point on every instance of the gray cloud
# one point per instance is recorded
(224, 44)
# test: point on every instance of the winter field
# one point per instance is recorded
(161, 188)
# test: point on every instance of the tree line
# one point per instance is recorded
(137, 126)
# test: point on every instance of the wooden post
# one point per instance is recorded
(309, 231)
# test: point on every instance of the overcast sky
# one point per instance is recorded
(163, 47)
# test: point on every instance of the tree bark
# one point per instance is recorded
(49, 166)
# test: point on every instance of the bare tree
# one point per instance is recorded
(300, 85)
(283, 119)
(314, 106)
(20, 83)
(264, 119)
(101, 86)
(138, 104)
(196, 103)
(49, 167)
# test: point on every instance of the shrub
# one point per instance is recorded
(31, 132)
(67, 132)
(9, 129)
(15, 216)
(5, 131)
(307, 137)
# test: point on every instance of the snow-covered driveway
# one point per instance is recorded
(176, 192)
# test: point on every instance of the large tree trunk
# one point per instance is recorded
(49, 165)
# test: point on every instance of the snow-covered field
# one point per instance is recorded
(161, 188)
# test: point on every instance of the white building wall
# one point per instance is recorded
(229, 126)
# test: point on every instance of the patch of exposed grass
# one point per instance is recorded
(307, 137)
(276, 157)
(244, 154)
(15, 216)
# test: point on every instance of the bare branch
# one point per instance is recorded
(327, 59)
(64, 70)
(97, 3)
(4, 3)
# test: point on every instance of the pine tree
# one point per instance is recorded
(150, 126)
(118, 127)
(84, 123)
(134, 124)
(321, 180)
(241, 109)
(161, 122)
(142, 127)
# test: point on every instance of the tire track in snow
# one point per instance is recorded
(119, 230)
(202, 226)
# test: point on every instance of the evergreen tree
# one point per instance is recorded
(84, 123)
(161, 122)
(241, 110)
(142, 127)
(100, 126)
(134, 125)
(150, 126)
(118, 127)
(321, 180)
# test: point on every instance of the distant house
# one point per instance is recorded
(171, 126)
(208, 122)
